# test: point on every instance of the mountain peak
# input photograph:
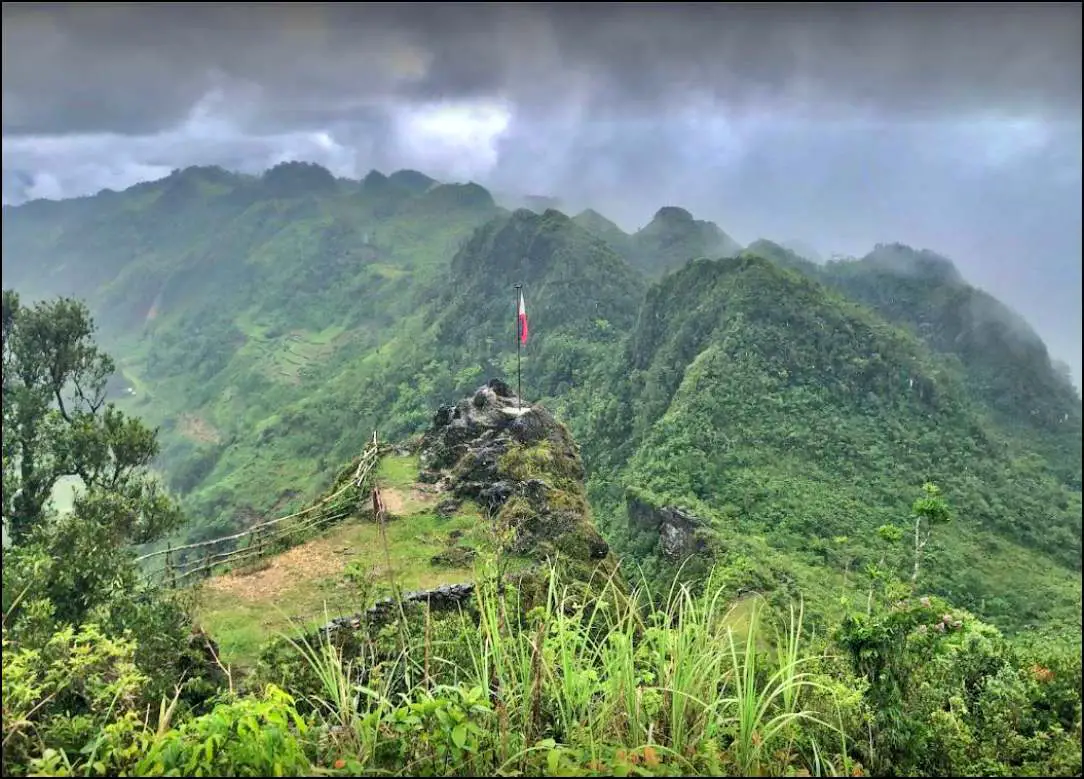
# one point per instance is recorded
(524, 215)
(295, 178)
(523, 466)
(573, 279)
(901, 259)
(780, 255)
(205, 172)
(673, 214)
(414, 181)
(592, 221)
(554, 214)
(673, 237)
(536, 203)
(182, 187)
(375, 183)
(469, 196)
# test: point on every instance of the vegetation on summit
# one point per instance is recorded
(772, 409)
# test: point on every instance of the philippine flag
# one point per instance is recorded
(522, 320)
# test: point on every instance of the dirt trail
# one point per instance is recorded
(401, 502)
(394, 500)
(316, 559)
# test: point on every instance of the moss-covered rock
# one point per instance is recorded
(680, 532)
(523, 467)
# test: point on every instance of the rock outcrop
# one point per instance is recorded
(447, 597)
(680, 532)
(522, 467)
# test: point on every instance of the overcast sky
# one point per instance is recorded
(955, 127)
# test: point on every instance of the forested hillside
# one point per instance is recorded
(231, 302)
(769, 408)
(785, 410)
(1005, 364)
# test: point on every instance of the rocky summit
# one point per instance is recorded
(523, 467)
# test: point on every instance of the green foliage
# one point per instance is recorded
(770, 407)
(930, 509)
(74, 676)
(950, 696)
(253, 736)
(573, 686)
(232, 301)
(598, 682)
(1007, 365)
(310, 311)
(57, 423)
(671, 239)
(65, 692)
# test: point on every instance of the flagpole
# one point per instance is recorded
(519, 352)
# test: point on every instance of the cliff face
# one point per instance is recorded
(522, 466)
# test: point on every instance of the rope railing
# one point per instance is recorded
(236, 556)
(266, 535)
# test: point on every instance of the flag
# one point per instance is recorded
(522, 320)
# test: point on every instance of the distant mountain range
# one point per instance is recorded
(756, 406)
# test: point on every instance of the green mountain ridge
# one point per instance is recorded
(667, 242)
(269, 323)
(1006, 363)
(811, 420)
(601, 227)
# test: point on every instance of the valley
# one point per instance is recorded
(786, 403)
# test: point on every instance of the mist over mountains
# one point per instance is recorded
(269, 323)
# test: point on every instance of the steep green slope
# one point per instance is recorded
(602, 228)
(769, 408)
(580, 299)
(1004, 365)
(580, 295)
(438, 338)
(203, 236)
(230, 299)
(1007, 365)
(666, 243)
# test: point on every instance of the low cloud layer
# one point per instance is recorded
(955, 127)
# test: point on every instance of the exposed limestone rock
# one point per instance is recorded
(447, 597)
(448, 507)
(522, 466)
(677, 528)
(454, 556)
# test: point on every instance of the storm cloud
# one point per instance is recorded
(955, 127)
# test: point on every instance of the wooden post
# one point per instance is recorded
(259, 543)
(171, 574)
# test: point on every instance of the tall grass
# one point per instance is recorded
(618, 683)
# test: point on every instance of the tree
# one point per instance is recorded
(932, 508)
(57, 423)
(888, 536)
(75, 574)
